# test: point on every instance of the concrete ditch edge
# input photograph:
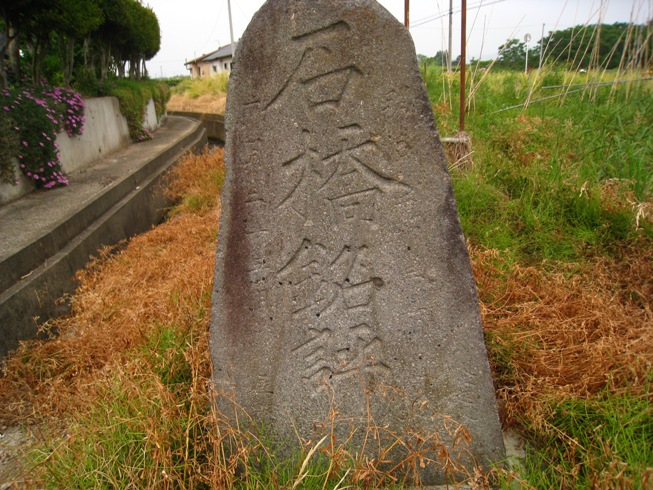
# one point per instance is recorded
(124, 210)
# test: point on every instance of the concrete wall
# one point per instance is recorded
(10, 192)
(105, 132)
(214, 123)
(150, 121)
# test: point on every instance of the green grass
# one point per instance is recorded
(540, 173)
(603, 442)
(116, 444)
(559, 182)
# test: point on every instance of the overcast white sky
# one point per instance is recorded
(190, 28)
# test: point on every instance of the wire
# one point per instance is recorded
(426, 20)
(598, 84)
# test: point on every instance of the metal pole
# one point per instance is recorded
(463, 45)
(541, 48)
(231, 32)
(526, 67)
(450, 35)
(406, 13)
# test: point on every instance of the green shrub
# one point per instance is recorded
(86, 82)
(133, 97)
(8, 149)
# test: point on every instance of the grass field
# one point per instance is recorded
(555, 200)
(205, 95)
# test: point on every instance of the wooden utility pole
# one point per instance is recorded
(463, 46)
(406, 13)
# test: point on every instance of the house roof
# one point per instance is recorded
(220, 53)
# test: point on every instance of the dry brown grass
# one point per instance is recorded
(117, 304)
(567, 331)
(205, 104)
(458, 152)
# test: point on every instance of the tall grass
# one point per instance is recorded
(560, 178)
(205, 95)
(608, 443)
(559, 202)
(194, 88)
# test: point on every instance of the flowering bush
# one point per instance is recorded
(142, 134)
(71, 107)
(38, 114)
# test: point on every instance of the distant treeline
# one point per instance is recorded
(610, 46)
(82, 40)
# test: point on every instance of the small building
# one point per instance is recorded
(214, 63)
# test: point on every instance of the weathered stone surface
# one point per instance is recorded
(342, 277)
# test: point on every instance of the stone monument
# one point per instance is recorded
(343, 290)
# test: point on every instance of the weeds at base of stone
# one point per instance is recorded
(384, 459)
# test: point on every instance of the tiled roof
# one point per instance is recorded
(221, 52)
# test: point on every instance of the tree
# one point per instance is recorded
(441, 58)
(605, 45)
(111, 34)
(140, 36)
(56, 28)
(75, 19)
(118, 32)
(146, 39)
(16, 15)
(512, 55)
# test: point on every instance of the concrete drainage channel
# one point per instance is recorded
(47, 236)
(213, 123)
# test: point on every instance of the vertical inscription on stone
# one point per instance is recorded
(341, 269)
(332, 285)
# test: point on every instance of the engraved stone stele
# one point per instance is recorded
(343, 291)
